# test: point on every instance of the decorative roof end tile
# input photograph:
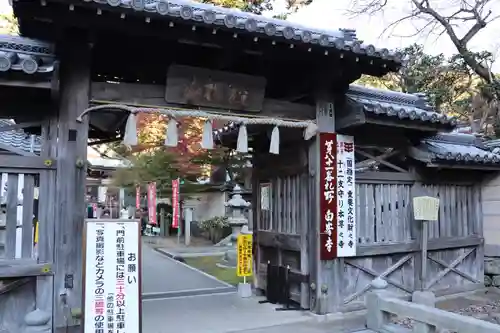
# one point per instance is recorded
(25, 55)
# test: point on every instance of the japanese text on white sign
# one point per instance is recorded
(112, 270)
(346, 197)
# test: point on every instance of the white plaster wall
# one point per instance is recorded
(207, 205)
(490, 197)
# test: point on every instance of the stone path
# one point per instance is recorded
(164, 277)
(221, 313)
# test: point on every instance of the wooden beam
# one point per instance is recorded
(384, 120)
(34, 269)
(16, 150)
(349, 117)
(384, 177)
(25, 84)
(295, 275)
(443, 243)
(12, 285)
(278, 240)
(14, 127)
(35, 163)
(153, 95)
(381, 160)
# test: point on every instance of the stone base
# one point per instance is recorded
(492, 266)
(492, 272)
(244, 290)
(70, 329)
(230, 258)
(38, 329)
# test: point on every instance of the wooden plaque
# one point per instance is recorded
(215, 89)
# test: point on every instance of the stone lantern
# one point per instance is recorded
(238, 223)
(236, 219)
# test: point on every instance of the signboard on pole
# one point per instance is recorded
(245, 263)
(152, 203)
(137, 197)
(346, 197)
(328, 200)
(112, 276)
(337, 196)
(175, 203)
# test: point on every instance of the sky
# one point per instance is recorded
(334, 14)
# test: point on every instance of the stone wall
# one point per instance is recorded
(491, 225)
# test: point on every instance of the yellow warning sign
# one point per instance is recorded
(245, 262)
(36, 233)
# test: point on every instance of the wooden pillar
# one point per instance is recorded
(325, 275)
(416, 190)
(70, 197)
(46, 219)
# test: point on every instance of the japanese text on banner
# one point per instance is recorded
(175, 203)
(245, 259)
(328, 200)
(137, 197)
(152, 203)
(346, 197)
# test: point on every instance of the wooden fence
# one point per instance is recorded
(16, 221)
(389, 241)
(21, 270)
(281, 231)
(388, 237)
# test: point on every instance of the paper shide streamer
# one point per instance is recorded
(172, 131)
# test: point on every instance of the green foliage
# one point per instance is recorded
(8, 24)
(448, 82)
(218, 222)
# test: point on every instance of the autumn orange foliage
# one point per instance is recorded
(152, 132)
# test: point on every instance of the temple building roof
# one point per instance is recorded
(455, 148)
(236, 20)
(24, 142)
(24, 55)
(19, 139)
(402, 106)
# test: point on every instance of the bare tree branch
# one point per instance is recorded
(475, 12)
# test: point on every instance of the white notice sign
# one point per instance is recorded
(346, 197)
(426, 208)
(112, 277)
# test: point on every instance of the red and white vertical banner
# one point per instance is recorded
(137, 197)
(175, 203)
(152, 203)
(346, 197)
(328, 193)
(94, 210)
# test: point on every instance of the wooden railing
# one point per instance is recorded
(381, 305)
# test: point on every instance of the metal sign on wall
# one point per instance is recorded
(112, 276)
(216, 89)
(337, 196)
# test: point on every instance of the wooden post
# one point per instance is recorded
(46, 220)
(417, 234)
(188, 217)
(70, 196)
(121, 195)
(325, 274)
